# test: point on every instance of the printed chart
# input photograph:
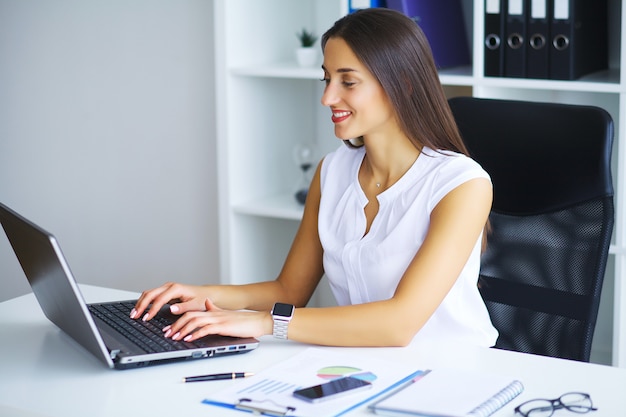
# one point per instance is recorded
(334, 372)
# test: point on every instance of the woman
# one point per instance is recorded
(394, 219)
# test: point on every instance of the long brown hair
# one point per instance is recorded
(395, 50)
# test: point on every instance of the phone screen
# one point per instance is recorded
(332, 389)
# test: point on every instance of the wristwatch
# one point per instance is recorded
(282, 315)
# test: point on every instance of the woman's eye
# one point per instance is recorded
(346, 84)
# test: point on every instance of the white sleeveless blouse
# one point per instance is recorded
(367, 268)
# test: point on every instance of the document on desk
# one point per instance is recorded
(270, 391)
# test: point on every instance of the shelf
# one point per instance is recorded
(600, 82)
(457, 76)
(280, 70)
(283, 206)
(289, 70)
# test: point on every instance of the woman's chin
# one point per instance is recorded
(343, 135)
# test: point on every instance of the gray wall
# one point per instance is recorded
(107, 137)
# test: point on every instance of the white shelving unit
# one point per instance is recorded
(267, 104)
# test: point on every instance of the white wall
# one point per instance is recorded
(107, 137)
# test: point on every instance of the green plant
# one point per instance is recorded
(306, 38)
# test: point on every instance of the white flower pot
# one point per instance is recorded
(306, 57)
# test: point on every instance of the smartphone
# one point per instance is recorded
(332, 389)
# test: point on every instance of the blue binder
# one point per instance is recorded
(443, 24)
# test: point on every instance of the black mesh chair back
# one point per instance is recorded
(551, 220)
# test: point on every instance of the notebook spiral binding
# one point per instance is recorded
(498, 401)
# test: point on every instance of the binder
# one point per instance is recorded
(495, 12)
(443, 24)
(579, 38)
(450, 392)
(539, 40)
(354, 5)
(515, 46)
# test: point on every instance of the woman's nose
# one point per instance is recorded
(329, 97)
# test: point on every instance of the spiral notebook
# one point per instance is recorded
(450, 393)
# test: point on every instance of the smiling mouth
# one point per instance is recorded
(340, 116)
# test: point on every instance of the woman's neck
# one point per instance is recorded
(386, 161)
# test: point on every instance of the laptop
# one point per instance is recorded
(104, 329)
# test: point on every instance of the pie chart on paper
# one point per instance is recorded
(334, 372)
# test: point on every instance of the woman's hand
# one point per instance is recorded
(189, 298)
(196, 324)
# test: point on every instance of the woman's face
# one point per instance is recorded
(358, 102)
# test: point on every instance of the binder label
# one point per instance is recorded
(492, 6)
(538, 9)
(360, 4)
(516, 7)
(561, 9)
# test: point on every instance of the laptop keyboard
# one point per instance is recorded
(145, 334)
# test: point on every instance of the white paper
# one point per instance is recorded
(274, 386)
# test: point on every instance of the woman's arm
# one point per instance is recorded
(456, 224)
(295, 284)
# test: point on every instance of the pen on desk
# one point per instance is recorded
(217, 377)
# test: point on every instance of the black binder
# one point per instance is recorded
(539, 40)
(495, 13)
(515, 48)
(579, 38)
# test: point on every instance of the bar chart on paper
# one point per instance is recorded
(270, 387)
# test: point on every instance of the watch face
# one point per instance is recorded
(283, 310)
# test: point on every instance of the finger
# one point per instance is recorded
(210, 306)
(188, 324)
(184, 307)
(157, 297)
(144, 300)
(172, 291)
(198, 331)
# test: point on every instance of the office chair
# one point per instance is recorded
(551, 220)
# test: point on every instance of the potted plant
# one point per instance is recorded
(306, 54)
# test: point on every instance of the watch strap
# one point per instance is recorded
(280, 328)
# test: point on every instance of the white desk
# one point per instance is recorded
(44, 373)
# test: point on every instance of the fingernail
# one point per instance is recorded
(145, 317)
(166, 328)
(174, 309)
(133, 313)
(186, 339)
(167, 333)
(176, 336)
